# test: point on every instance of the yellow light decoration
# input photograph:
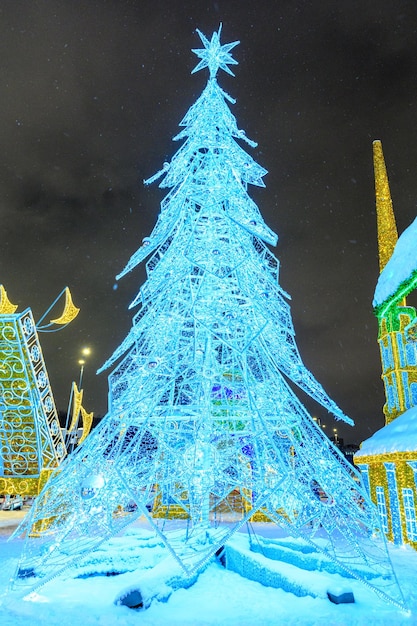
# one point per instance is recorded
(87, 423)
(170, 511)
(6, 307)
(30, 437)
(77, 398)
(405, 479)
(24, 486)
(70, 310)
(399, 372)
(387, 229)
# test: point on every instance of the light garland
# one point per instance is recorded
(374, 469)
(394, 502)
(392, 473)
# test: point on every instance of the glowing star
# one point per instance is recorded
(213, 55)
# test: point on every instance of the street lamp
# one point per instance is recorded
(69, 440)
(81, 362)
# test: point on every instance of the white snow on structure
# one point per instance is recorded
(400, 435)
(400, 266)
(85, 594)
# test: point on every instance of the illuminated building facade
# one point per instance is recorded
(388, 459)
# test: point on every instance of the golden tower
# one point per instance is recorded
(388, 459)
(399, 372)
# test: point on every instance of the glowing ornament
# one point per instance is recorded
(91, 486)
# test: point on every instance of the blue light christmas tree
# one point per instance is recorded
(202, 424)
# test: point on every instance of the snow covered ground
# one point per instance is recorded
(85, 595)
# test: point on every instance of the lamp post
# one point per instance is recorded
(85, 352)
(69, 443)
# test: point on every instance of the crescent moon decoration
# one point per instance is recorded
(70, 310)
(77, 411)
(6, 307)
(69, 313)
(77, 398)
(87, 423)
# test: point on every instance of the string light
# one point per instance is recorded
(393, 472)
(374, 466)
(30, 436)
(201, 415)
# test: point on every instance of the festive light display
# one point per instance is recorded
(387, 238)
(376, 468)
(387, 228)
(78, 413)
(398, 350)
(69, 313)
(388, 471)
(203, 430)
(5, 305)
(394, 502)
(31, 443)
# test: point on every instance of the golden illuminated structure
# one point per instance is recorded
(398, 357)
(5, 305)
(70, 310)
(388, 459)
(386, 226)
(77, 412)
(31, 441)
(87, 421)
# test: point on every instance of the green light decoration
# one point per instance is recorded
(404, 289)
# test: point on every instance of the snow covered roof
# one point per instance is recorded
(400, 267)
(400, 435)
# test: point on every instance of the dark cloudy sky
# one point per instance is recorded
(90, 95)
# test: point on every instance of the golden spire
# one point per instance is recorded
(6, 307)
(387, 228)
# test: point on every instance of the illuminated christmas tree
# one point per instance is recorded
(203, 425)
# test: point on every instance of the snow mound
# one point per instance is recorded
(398, 436)
(400, 267)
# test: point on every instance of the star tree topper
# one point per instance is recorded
(213, 55)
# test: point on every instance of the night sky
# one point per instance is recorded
(91, 94)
